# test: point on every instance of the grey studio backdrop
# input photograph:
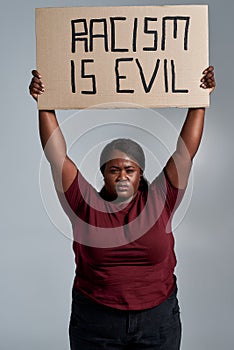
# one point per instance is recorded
(37, 263)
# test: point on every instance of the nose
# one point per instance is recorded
(122, 176)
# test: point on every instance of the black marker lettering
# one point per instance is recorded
(73, 83)
(148, 88)
(91, 76)
(112, 22)
(77, 36)
(147, 31)
(134, 35)
(174, 90)
(165, 75)
(175, 20)
(104, 35)
(118, 76)
(186, 33)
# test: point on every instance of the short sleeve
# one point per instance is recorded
(73, 197)
(170, 195)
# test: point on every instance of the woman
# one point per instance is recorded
(124, 292)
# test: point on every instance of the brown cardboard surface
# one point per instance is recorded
(122, 57)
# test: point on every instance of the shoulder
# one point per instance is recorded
(163, 189)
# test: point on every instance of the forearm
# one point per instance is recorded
(179, 164)
(191, 133)
(52, 140)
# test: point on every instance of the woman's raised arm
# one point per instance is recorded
(179, 165)
(52, 140)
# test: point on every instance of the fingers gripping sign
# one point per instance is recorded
(36, 86)
(208, 80)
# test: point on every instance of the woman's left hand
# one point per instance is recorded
(208, 79)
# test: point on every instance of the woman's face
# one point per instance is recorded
(122, 176)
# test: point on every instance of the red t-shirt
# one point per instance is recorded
(124, 254)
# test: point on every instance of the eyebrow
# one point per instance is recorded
(126, 167)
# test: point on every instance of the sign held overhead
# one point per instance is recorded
(122, 57)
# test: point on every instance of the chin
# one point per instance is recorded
(124, 196)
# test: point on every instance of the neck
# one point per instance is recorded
(115, 199)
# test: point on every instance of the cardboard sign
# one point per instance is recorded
(122, 57)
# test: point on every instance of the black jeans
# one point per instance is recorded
(95, 327)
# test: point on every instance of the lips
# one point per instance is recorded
(122, 187)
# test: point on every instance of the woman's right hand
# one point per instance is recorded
(36, 86)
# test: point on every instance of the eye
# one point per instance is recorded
(114, 171)
(130, 171)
